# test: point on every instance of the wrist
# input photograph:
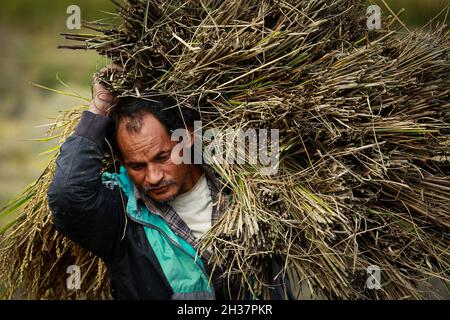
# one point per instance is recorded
(93, 126)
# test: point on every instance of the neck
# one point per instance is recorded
(192, 177)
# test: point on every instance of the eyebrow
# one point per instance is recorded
(130, 163)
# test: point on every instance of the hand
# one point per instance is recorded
(103, 100)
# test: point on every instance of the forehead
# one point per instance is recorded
(150, 137)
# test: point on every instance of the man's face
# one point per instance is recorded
(146, 154)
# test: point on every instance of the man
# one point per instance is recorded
(147, 258)
(145, 221)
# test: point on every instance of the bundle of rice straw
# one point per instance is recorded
(364, 119)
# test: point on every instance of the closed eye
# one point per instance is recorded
(162, 157)
(137, 166)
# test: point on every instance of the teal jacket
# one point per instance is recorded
(180, 263)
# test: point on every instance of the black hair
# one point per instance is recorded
(163, 107)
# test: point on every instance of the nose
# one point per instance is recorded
(153, 175)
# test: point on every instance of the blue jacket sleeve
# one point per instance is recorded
(85, 210)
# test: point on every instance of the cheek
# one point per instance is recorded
(137, 177)
(175, 172)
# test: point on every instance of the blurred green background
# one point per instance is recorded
(29, 35)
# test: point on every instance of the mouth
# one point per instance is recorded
(160, 190)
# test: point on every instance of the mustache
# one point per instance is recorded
(160, 185)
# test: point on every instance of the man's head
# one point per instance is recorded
(143, 140)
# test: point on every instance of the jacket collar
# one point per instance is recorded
(216, 186)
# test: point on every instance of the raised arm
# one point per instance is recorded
(84, 209)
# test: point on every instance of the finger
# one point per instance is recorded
(105, 96)
(99, 86)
